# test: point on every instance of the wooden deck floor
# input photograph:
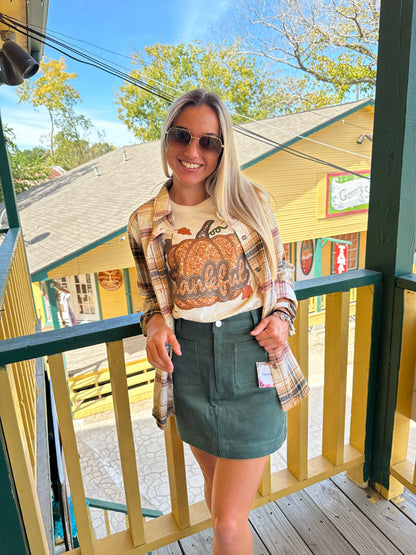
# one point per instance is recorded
(334, 517)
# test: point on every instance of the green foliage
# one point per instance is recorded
(69, 144)
(28, 167)
(221, 69)
(53, 91)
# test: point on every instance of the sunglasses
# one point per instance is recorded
(180, 137)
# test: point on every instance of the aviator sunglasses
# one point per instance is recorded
(180, 137)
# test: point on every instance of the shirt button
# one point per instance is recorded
(218, 323)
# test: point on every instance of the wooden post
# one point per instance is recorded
(391, 218)
(177, 475)
(297, 418)
(335, 387)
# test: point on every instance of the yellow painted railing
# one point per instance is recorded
(90, 392)
(403, 470)
(17, 318)
(301, 471)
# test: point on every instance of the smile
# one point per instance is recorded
(189, 165)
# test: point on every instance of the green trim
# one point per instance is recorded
(329, 122)
(127, 286)
(97, 288)
(119, 507)
(335, 283)
(12, 531)
(43, 273)
(407, 282)
(68, 339)
(7, 186)
(53, 304)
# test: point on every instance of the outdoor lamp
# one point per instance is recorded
(8, 73)
(16, 64)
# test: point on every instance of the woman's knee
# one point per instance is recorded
(228, 528)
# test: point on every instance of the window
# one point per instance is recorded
(85, 296)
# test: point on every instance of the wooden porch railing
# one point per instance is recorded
(17, 318)
(402, 469)
(184, 519)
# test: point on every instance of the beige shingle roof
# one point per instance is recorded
(70, 213)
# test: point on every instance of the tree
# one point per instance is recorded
(53, 91)
(333, 43)
(179, 68)
(69, 144)
(28, 167)
(72, 144)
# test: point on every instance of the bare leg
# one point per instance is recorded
(207, 463)
(230, 488)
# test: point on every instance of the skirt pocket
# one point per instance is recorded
(246, 354)
(186, 370)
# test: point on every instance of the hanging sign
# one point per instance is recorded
(341, 258)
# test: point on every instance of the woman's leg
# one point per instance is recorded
(230, 488)
(207, 463)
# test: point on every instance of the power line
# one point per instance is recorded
(86, 58)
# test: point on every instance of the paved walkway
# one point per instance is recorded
(97, 440)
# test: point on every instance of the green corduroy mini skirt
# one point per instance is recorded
(219, 406)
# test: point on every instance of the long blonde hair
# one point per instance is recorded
(235, 195)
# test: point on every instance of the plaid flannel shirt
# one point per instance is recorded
(146, 228)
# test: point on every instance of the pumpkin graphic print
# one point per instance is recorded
(207, 270)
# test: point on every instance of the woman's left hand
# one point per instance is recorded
(271, 333)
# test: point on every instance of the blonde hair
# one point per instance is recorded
(235, 195)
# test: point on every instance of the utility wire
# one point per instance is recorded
(78, 56)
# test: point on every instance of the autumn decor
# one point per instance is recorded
(208, 269)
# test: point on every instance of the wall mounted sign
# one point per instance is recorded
(305, 260)
(347, 194)
(110, 279)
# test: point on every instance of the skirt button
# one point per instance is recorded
(218, 323)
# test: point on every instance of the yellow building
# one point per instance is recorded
(316, 164)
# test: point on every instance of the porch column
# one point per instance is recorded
(391, 218)
(7, 183)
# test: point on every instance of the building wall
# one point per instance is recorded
(113, 303)
(294, 181)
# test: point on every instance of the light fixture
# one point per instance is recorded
(363, 136)
(15, 63)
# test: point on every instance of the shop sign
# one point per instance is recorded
(341, 258)
(110, 279)
(347, 193)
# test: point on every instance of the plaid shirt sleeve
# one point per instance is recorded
(285, 271)
(144, 283)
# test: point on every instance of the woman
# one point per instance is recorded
(219, 306)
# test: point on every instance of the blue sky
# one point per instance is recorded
(117, 26)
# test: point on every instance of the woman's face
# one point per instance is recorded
(190, 164)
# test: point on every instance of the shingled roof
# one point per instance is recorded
(91, 203)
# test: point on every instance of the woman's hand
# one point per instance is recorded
(271, 333)
(158, 336)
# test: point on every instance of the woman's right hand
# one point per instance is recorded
(158, 336)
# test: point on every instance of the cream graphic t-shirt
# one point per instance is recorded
(209, 273)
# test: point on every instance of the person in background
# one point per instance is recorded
(219, 305)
